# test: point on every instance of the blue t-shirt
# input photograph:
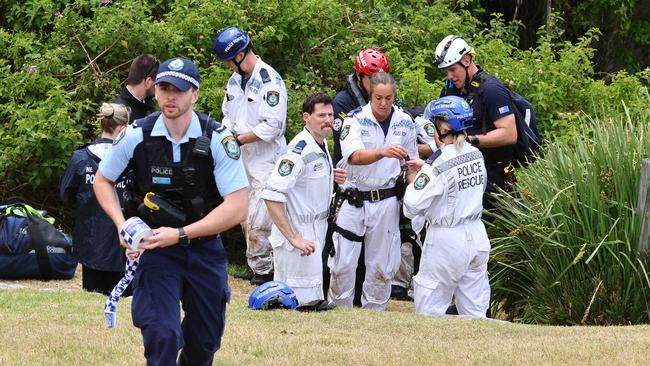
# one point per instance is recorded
(229, 172)
(494, 104)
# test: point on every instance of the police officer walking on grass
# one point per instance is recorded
(191, 166)
(495, 132)
(255, 108)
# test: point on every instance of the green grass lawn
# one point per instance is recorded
(41, 327)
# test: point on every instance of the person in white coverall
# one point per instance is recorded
(297, 196)
(375, 141)
(448, 191)
(255, 109)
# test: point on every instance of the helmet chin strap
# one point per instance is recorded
(441, 136)
(466, 74)
(239, 69)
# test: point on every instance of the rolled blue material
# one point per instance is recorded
(110, 306)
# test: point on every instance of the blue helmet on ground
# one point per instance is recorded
(229, 42)
(272, 295)
(452, 109)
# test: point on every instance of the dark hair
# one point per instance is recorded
(310, 102)
(142, 67)
(381, 78)
(112, 115)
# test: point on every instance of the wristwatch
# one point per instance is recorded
(183, 240)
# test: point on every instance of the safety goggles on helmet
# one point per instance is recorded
(370, 61)
(450, 51)
(273, 295)
(452, 109)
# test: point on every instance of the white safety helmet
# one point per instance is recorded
(450, 50)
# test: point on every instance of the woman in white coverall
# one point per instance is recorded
(448, 191)
(375, 140)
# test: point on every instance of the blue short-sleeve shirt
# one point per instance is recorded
(229, 172)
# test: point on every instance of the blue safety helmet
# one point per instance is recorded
(229, 42)
(452, 109)
(272, 295)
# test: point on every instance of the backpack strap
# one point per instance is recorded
(477, 85)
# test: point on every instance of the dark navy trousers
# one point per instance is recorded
(195, 276)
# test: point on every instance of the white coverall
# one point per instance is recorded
(261, 108)
(303, 180)
(425, 132)
(448, 190)
(377, 221)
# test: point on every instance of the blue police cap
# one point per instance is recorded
(180, 72)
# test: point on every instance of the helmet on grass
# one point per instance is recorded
(272, 295)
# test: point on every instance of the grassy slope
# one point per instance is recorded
(67, 327)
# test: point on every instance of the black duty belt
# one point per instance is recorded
(378, 194)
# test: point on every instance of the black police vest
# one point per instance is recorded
(188, 184)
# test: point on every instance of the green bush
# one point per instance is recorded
(565, 252)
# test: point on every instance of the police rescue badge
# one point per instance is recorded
(421, 181)
(285, 167)
(272, 98)
(232, 147)
(429, 129)
(344, 132)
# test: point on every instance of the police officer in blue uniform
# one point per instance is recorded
(495, 130)
(190, 186)
(94, 239)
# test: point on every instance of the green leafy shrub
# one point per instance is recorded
(565, 252)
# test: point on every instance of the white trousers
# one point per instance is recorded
(378, 222)
(453, 266)
(257, 229)
(303, 274)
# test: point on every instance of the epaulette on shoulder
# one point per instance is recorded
(215, 125)
(299, 147)
(434, 156)
(265, 75)
(354, 111)
(147, 122)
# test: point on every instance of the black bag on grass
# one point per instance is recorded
(31, 246)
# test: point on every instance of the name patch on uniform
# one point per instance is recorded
(504, 109)
(318, 166)
(429, 129)
(365, 133)
(162, 180)
(336, 125)
(285, 167)
(272, 98)
(421, 181)
(344, 132)
(162, 170)
(231, 146)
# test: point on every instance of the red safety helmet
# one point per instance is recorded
(370, 61)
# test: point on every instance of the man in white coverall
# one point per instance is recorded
(255, 109)
(375, 140)
(297, 196)
(448, 191)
